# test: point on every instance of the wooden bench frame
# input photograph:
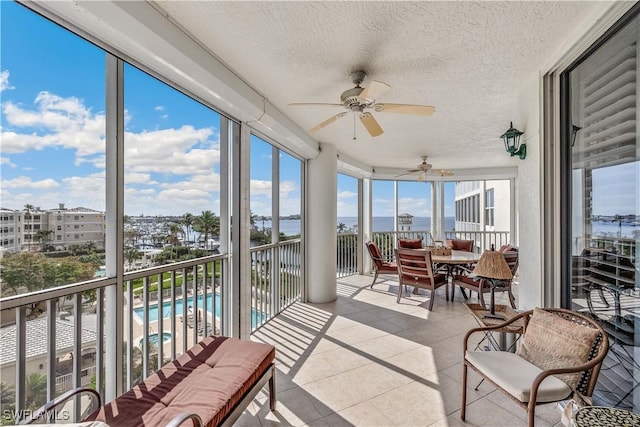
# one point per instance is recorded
(268, 376)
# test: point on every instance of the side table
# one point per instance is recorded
(515, 328)
(601, 416)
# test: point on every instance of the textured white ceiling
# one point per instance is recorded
(468, 59)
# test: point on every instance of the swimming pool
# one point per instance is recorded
(166, 307)
(256, 317)
(153, 338)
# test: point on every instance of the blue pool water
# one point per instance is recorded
(153, 338)
(256, 317)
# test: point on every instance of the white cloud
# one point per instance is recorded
(138, 178)
(26, 182)
(260, 187)
(62, 122)
(347, 195)
(153, 159)
(7, 161)
(4, 81)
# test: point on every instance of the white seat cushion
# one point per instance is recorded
(515, 375)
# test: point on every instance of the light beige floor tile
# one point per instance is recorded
(355, 334)
(414, 404)
(363, 414)
(365, 360)
(355, 386)
(328, 364)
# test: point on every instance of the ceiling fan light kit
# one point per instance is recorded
(359, 98)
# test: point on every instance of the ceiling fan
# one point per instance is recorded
(359, 99)
(423, 168)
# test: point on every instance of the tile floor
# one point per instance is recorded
(365, 360)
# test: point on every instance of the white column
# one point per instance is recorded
(365, 229)
(321, 225)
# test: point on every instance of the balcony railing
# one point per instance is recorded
(387, 241)
(166, 309)
(347, 259)
(483, 239)
(276, 279)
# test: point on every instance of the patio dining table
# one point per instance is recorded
(456, 258)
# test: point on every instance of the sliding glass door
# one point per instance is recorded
(602, 175)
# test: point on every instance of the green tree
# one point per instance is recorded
(43, 236)
(28, 272)
(131, 254)
(22, 271)
(36, 390)
(342, 227)
(187, 222)
(7, 403)
(207, 223)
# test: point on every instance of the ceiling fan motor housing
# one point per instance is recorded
(350, 97)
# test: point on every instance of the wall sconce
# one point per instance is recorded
(511, 140)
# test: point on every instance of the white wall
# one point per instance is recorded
(529, 197)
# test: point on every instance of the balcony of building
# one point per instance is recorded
(347, 354)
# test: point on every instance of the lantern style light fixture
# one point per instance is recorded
(511, 140)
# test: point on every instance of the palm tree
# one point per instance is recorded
(172, 238)
(342, 227)
(187, 222)
(36, 390)
(29, 208)
(131, 255)
(43, 236)
(207, 223)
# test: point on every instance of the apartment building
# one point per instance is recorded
(483, 205)
(10, 237)
(76, 226)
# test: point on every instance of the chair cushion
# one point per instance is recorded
(374, 251)
(507, 248)
(516, 375)
(553, 342)
(460, 245)
(410, 243)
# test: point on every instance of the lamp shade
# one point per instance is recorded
(492, 265)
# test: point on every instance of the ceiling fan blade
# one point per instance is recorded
(442, 172)
(422, 110)
(297, 104)
(371, 124)
(327, 122)
(374, 90)
(406, 173)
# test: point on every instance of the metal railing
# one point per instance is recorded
(166, 309)
(276, 279)
(387, 241)
(483, 239)
(618, 245)
(347, 255)
(65, 382)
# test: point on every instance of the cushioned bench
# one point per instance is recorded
(212, 383)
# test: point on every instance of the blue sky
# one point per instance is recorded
(53, 144)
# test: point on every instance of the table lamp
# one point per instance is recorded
(492, 267)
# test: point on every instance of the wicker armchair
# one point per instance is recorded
(560, 352)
